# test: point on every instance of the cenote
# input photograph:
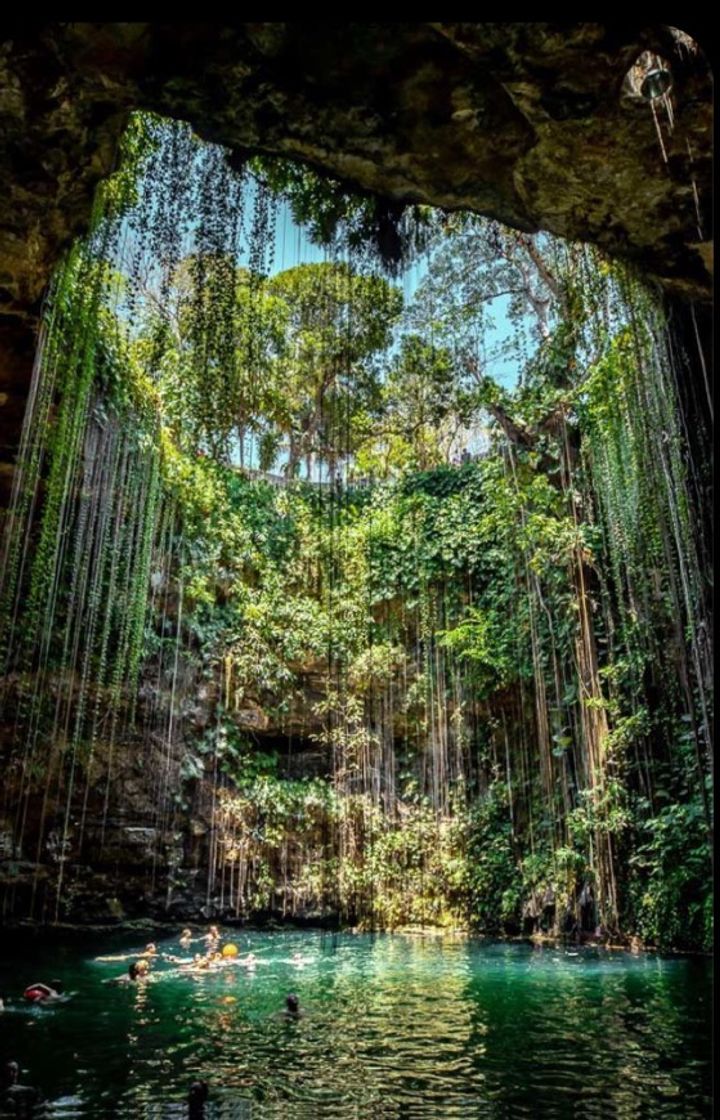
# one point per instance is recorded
(394, 1025)
(355, 576)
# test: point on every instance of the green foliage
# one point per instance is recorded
(670, 886)
(479, 639)
(414, 869)
(492, 656)
(491, 878)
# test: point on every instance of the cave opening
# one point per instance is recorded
(355, 577)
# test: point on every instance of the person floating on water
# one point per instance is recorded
(197, 964)
(149, 951)
(45, 993)
(172, 959)
(212, 961)
(185, 941)
(137, 970)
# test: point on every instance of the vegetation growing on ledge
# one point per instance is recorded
(269, 513)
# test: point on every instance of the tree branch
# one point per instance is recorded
(545, 273)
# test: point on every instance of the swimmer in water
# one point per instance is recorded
(197, 964)
(197, 1099)
(250, 961)
(172, 959)
(292, 1010)
(212, 936)
(22, 1099)
(185, 938)
(150, 950)
(45, 993)
(137, 970)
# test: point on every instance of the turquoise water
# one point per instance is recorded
(395, 1026)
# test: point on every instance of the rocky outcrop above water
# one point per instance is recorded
(533, 123)
(133, 837)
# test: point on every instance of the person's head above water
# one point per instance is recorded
(151, 947)
(292, 1004)
(198, 1092)
(10, 1073)
(197, 1098)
